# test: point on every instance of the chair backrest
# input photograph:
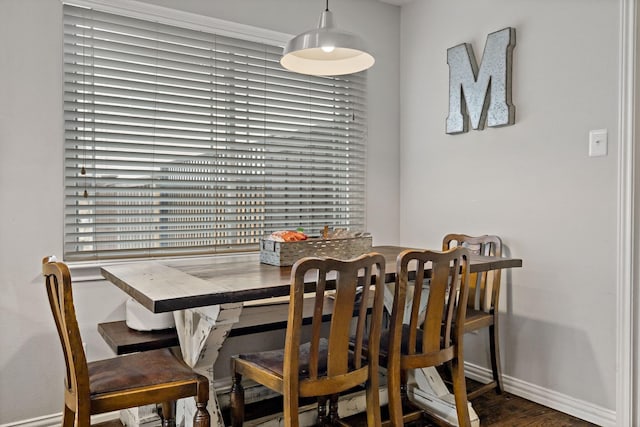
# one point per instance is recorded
(357, 281)
(435, 330)
(58, 284)
(484, 287)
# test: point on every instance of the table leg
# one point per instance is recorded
(426, 389)
(201, 332)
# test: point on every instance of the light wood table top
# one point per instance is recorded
(168, 285)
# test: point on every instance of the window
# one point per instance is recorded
(180, 141)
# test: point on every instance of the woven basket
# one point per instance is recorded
(287, 253)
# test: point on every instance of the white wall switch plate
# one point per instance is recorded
(598, 143)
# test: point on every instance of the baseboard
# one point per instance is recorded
(56, 420)
(552, 399)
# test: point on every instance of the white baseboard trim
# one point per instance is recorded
(552, 399)
(56, 420)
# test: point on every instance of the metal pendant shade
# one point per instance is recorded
(326, 51)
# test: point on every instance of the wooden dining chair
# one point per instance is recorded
(150, 377)
(428, 336)
(324, 366)
(484, 296)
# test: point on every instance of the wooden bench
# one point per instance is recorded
(257, 316)
(122, 339)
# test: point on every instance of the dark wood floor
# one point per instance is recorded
(505, 410)
(508, 410)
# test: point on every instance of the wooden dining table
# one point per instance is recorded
(206, 296)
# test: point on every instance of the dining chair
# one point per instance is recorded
(324, 366)
(150, 377)
(484, 296)
(426, 336)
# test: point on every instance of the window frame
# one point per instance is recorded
(195, 22)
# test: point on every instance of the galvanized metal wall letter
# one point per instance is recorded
(485, 94)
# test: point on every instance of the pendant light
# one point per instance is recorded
(326, 51)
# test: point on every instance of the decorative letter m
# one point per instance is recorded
(484, 94)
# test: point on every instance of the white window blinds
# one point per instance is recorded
(180, 142)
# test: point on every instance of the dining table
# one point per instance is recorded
(206, 296)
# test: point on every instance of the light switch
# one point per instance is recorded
(598, 143)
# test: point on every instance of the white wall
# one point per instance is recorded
(532, 183)
(31, 160)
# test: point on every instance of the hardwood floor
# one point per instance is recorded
(505, 410)
(508, 410)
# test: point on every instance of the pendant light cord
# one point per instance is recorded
(327, 7)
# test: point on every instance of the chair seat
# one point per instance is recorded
(477, 319)
(137, 370)
(274, 360)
